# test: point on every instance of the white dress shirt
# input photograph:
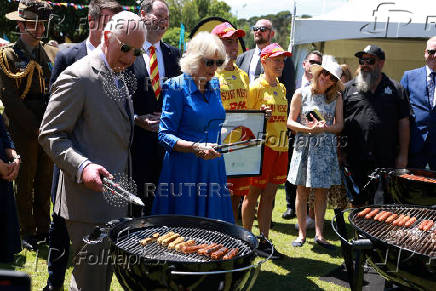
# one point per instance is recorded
(429, 82)
(159, 55)
(253, 64)
(89, 46)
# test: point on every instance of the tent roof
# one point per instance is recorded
(370, 18)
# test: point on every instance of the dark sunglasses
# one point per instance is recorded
(370, 61)
(210, 63)
(125, 48)
(261, 28)
(313, 62)
(431, 52)
(329, 75)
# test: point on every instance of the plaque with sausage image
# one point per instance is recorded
(242, 137)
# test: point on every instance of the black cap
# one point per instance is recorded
(372, 49)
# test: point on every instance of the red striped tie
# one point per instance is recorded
(154, 72)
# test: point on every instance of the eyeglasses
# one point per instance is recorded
(431, 52)
(125, 48)
(369, 61)
(330, 76)
(210, 62)
(261, 28)
(313, 62)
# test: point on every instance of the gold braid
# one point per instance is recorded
(30, 68)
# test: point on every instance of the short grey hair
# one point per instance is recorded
(124, 22)
(96, 6)
(147, 5)
(203, 45)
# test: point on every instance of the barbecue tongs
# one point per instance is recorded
(117, 195)
(240, 145)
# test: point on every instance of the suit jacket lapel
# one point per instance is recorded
(82, 50)
(422, 86)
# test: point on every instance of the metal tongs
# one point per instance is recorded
(118, 194)
(240, 145)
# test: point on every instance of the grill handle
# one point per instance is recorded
(254, 266)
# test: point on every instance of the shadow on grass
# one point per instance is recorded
(297, 278)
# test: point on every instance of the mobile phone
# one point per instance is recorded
(316, 114)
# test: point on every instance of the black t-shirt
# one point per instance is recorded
(371, 123)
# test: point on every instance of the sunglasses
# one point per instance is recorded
(313, 62)
(370, 61)
(210, 63)
(330, 76)
(431, 52)
(261, 28)
(125, 48)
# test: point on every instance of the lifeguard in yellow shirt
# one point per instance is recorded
(266, 91)
(234, 85)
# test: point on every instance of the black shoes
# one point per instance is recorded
(323, 244)
(289, 214)
(29, 242)
(264, 250)
(50, 287)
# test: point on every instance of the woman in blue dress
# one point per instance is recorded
(193, 178)
(10, 243)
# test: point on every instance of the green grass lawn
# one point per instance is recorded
(299, 270)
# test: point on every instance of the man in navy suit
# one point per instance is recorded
(147, 154)
(100, 12)
(420, 84)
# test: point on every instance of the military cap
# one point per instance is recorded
(31, 10)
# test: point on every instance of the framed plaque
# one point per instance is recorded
(242, 127)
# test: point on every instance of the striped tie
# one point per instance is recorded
(154, 72)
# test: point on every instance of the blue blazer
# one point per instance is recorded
(423, 120)
(66, 58)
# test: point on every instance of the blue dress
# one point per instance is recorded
(189, 185)
(314, 161)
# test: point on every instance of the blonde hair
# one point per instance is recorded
(346, 72)
(332, 92)
(203, 45)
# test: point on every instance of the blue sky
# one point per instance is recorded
(249, 8)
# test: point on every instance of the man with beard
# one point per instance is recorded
(159, 62)
(420, 84)
(376, 121)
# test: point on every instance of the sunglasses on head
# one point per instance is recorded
(261, 28)
(125, 48)
(369, 61)
(210, 62)
(329, 75)
(313, 62)
(431, 52)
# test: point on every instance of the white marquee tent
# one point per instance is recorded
(400, 27)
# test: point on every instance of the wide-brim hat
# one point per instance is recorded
(31, 10)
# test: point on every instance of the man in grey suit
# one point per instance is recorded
(87, 130)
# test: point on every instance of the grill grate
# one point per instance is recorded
(128, 240)
(412, 239)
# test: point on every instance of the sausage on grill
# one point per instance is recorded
(165, 236)
(379, 215)
(372, 213)
(219, 253)
(396, 221)
(178, 240)
(203, 250)
(364, 212)
(391, 218)
(231, 254)
(186, 243)
(429, 225)
(171, 238)
(148, 240)
(208, 252)
(384, 216)
(410, 222)
(192, 249)
(404, 220)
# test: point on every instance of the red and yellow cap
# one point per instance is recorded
(225, 29)
(273, 50)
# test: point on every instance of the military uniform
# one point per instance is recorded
(24, 75)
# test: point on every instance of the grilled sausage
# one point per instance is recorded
(384, 216)
(230, 255)
(167, 241)
(364, 212)
(219, 253)
(208, 252)
(391, 218)
(410, 222)
(396, 221)
(203, 250)
(178, 240)
(379, 215)
(429, 225)
(186, 243)
(165, 236)
(147, 241)
(192, 249)
(404, 220)
(422, 224)
(372, 213)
